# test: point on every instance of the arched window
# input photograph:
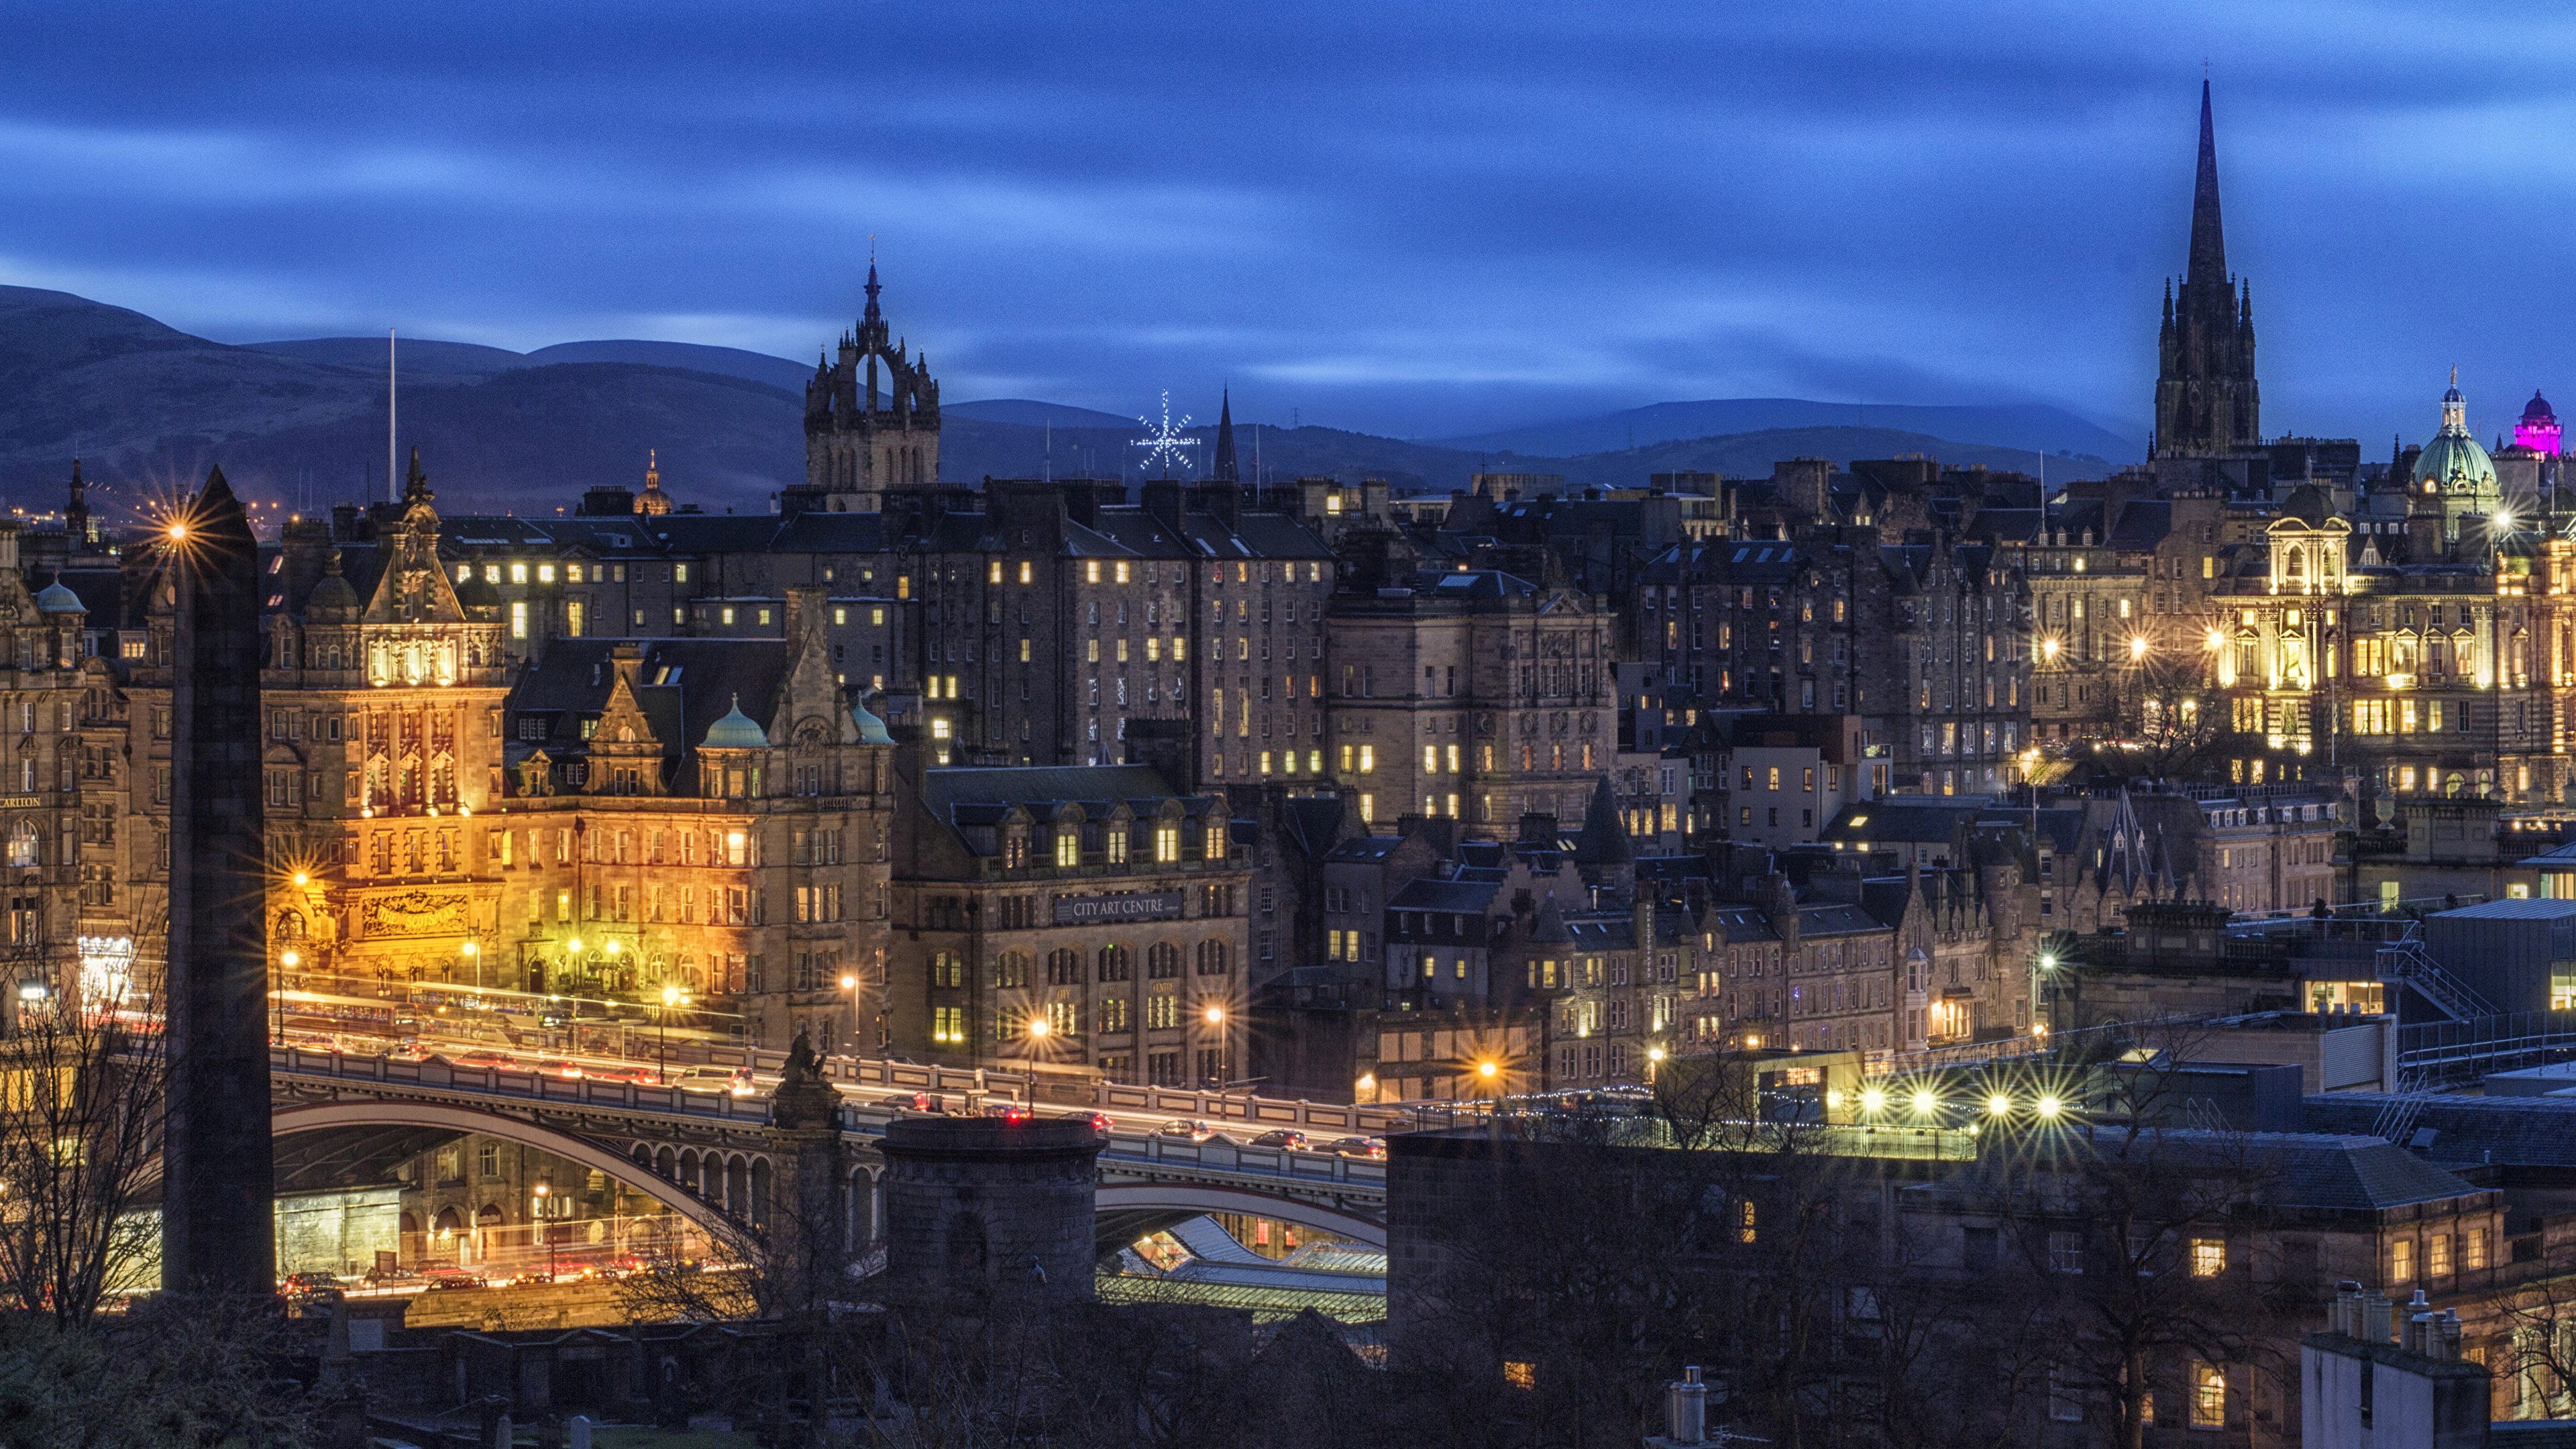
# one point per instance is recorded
(22, 842)
(290, 925)
(1162, 960)
(1213, 957)
(1116, 964)
(1011, 971)
(1064, 967)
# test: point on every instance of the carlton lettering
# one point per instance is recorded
(1080, 910)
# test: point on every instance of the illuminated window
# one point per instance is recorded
(994, 574)
(1122, 572)
(2208, 1397)
(1068, 846)
(2208, 1257)
(545, 573)
(1167, 844)
(2401, 1261)
(1027, 571)
(519, 619)
(1091, 572)
(518, 573)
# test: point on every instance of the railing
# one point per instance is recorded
(869, 1118)
(2455, 1051)
(2406, 960)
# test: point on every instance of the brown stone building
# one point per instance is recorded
(1084, 917)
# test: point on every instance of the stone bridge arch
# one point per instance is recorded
(289, 1120)
(1145, 1206)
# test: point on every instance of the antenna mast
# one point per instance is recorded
(392, 466)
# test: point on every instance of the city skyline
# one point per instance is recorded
(1368, 261)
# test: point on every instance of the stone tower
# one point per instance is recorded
(808, 1203)
(861, 440)
(216, 1223)
(2206, 400)
(981, 1209)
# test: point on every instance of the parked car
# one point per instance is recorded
(1193, 1131)
(1371, 1148)
(1285, 1137)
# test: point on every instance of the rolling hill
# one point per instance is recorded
(149, 408)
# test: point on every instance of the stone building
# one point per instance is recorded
(1473, 696)
(1079, 917)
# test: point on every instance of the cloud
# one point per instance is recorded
(1424, 218)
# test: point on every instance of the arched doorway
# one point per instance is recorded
(489, 1235)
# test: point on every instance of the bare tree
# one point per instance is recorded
(82, 1103)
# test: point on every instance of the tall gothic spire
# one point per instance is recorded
(1225, 470)
(2208, 262)
(2207, 403)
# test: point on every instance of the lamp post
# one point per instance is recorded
(473, 955)
(1039, 1029)
(287, 960)
(2040, 965)
(673, 994)
(1216, 1018)
(546, 1227)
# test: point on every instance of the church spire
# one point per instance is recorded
(2208, 264)
(1225, 470)
(2207, 402)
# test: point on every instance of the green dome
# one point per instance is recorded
(872, 730)
(2453, 461)
(2457, 464)
(59, 600)
(735, 731)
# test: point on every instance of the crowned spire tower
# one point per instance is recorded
(871, 420)
(2207, 403)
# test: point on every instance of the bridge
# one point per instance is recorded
(704, 1156)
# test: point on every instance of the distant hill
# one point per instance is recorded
(2029, 426)
(368, 354)
(1040, 414)
(973, 448)
(302, 424)
(778, 372)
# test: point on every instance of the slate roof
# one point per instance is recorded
(684, 687)
(1461, 897)
(2507, 1131)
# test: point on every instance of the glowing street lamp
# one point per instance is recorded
(1925, 1104)
(1873, 1100)
(1999, 1105)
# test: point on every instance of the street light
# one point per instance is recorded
(474, 954)
(671, 997)
(1216, 1018)
(546, 1228)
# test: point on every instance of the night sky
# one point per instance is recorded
(1408, 218)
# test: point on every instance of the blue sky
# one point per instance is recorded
(1413, 218)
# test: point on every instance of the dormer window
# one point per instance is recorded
(1068, 846)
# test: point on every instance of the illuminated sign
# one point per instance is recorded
(1094, 910)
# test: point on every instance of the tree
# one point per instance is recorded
(82, 1103)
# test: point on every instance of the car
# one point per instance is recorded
(558, 1067)
(294, 1283)
(1285, 1137)
(1371, 1148)
(743, 1083)
(917, 1103)
(1006, 1111)
(539, 1275)
(455, 1282)
(1099, 1120)
(1194, 1131)
(703, 1079)
(486, 1058)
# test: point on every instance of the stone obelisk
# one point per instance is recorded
(217, 1233)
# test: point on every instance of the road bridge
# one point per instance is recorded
(703, 1155)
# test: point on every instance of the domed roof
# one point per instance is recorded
(872, 730)
(2309, 504)
(333, 592)
(736, 731)
(2455, 462)
(59, 600)
(2538, 410)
